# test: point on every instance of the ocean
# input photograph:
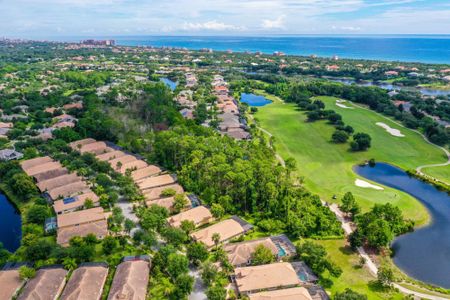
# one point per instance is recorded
(407, 48)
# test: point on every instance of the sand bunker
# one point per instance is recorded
(392, 131)
(365, 184)
(340, 104)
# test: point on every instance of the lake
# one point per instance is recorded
(10, 225)
(254, 100)
(170, 83)
(390, 87)
(425, 253)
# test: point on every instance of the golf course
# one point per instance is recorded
(327, 167)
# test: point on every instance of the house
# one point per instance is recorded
(74, 203)
(155, 193)
(156, 181)
(10, 282)
(118, 162)
(47, 284)
(10, 154)
(274, 276)
(68, 190)
(98, 228)
(145, 172)
(86, 282)
(55, 182)
(130, 281)
(65, 118)
(133, 165)
(51, 174)
(167, 202)
(199, 215)
(78, 144)
(81, 217)
(95, 148)
(391, 73)
(240, 254)
(63, 124)
(53, 165)
(76, 105)
(296, 293)
(30, 163)
(110, 155)
(226, 229)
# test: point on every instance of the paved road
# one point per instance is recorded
(198, 292)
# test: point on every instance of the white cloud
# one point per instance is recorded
(210, 25)
(346, 28)
(278, 23)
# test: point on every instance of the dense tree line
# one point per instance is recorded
(375, 98)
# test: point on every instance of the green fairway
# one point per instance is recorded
(327, 167)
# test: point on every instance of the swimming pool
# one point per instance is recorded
(281, 251)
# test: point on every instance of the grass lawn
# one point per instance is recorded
(353, 276)
(327, 167)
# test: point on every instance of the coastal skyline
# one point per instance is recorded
(47, 18)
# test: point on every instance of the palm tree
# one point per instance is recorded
(69, 263)
(216, 239)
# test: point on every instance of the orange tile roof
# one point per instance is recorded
(297, 293)
(256, 278)
(156, 181)
(227, 229)
(199, 215)
(80, 217)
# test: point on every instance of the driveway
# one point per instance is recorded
(198, 292)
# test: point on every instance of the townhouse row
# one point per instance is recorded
(68, 193)
(86, 282)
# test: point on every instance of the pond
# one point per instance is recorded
(388, 86)
(170, 83)
(254, 100)
(425, 253)
(10, 225)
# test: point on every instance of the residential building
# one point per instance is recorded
(199, 215)
(296, 293)
(47, 284)
(156, 181)
(254, 279)
(10, 154)
(226, 229)
(130, 281)
(86, 282)
(10, 283)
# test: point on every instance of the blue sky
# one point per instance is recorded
(45, 18)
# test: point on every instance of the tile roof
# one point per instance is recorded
(47, 284)
(241, 253)
(227, 229)
(99, 229)
(10, 283)
(81, 217)
(86, 282)
(255, 278)
(199, 215)
(297, 293)
(130, 281)
(156, 181)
